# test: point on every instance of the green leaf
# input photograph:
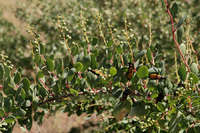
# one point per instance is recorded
(42, 91)
(86, 62)
(73, 91)
(113, 71)
(7, 72)
(59, 66)
(91, 78)
(173, 125)
(174, 10)
(149, 54)
(1, 71)
(179, 35)
(71, 74)
(180, 22)
(110, 43)
(138, 109)
(119, 49)
(38, 116)
(140, 54)
(78, 66)
(19, 113)
(193, 78)
(163, 3)
(117, 92)
(40, 75)
(26, 84)
(194, 68)
(94, 41)
(183, 48)
(2, 113)
(194, 129)
(143, 72)
(94, 63)
(37, 59)
(74, 50)
(17, 78)
(160, 107)
(50, 64)
(29, 123)
(154, 94)
(10, 119)
(182, 72)
(7, 104)
(23, 93)
(42, 49)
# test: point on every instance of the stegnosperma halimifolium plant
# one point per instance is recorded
(115, 63)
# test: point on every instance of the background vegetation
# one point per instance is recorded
(73, 56)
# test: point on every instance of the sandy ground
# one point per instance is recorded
(61, 123)
(8, 7)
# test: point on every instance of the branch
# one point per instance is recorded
(174, 36)
(54, 99)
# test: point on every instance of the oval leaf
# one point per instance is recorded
(17, 77)
(78, 66)
(113, 71)
(26, 84)
(194, 68)
(143, 72)
(149, 55)
(50, 64)
(183, 48)
(182, 72)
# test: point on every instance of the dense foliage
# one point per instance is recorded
(114, 58)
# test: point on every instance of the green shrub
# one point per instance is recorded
(81, 55)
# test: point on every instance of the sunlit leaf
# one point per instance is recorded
(142, 72)
(193, 78)
(78, 66)
(149, 54)
(113, 71)
(73, 91)
(10, 119)
(50, 64)
(194, 68)
(182, 72)
(183, 48)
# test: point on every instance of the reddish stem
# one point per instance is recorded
(1, 86)
(174, 36)
(44, 85)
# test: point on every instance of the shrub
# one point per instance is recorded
(112, 58)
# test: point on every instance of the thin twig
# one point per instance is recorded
(174, 36)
